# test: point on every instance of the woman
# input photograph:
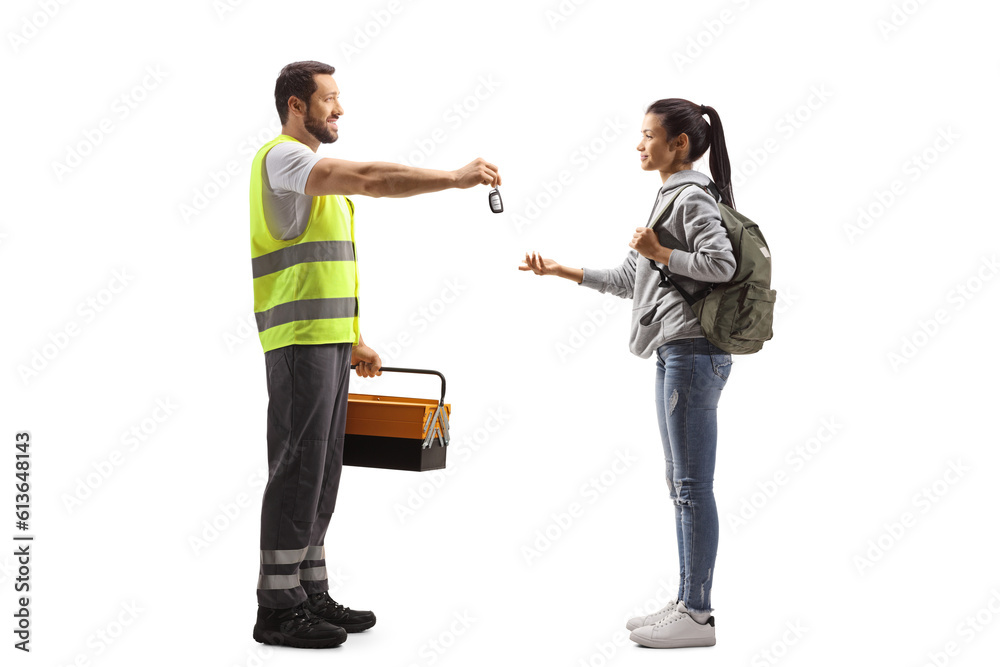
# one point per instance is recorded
(691, 372)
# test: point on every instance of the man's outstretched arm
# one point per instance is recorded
(331, 176)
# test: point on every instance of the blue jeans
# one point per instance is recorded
(690, 375)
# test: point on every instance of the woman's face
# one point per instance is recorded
(655, 152)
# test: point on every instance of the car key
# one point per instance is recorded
(496, 204)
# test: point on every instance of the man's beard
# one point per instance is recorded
(319, 129)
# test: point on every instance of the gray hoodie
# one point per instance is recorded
(705, 257)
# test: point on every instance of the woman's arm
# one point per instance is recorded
(618, 281)
(549, 267)
(698, 222)
(711, 258)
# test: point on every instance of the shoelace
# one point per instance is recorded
(339, 611)
(669, 608)
(675, 615)
(301, 619)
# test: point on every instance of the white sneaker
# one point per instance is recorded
(640, 621)
(676, 630)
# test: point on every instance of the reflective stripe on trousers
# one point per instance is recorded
(307, 413)
(291, 557)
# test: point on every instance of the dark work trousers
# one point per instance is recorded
(306, 417)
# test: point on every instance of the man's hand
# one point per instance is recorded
(477, 172)
(645, 242)
(368, 362)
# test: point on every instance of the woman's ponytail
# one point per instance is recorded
(679, 116)
(718, 157)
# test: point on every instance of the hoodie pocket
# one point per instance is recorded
(650, 316)
(649, 323)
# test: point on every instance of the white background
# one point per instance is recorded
(824, 105)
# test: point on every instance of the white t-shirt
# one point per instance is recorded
(286, 204)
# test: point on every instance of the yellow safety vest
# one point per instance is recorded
(305, 290)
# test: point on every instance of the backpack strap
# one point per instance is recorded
(665, 279)
(712, 190)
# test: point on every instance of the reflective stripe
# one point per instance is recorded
(277, 581)
(284, 556)
(312, 573)
(310, 251)
(320, 264)
(315, 280)
(307, 309)
(315, 553)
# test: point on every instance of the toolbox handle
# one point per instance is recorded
(421, 371)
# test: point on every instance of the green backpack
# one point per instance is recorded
(735, 316)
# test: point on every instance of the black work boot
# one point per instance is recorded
(351, 620)
(296, 627)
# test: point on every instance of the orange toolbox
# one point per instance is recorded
(396, 432)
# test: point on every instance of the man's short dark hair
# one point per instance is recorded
(296, 79)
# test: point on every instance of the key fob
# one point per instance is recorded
(496, 204)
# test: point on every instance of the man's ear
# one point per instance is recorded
(295, 105)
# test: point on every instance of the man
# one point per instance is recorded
(305, 285)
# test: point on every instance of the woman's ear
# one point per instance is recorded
(681, 145)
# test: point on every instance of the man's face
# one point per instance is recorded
(324, 109)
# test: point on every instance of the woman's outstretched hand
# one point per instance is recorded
(549, 267)
(541, 267)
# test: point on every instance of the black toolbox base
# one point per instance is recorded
(374, 451)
